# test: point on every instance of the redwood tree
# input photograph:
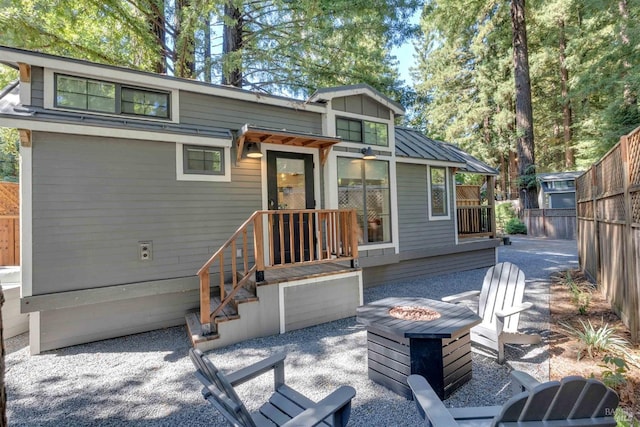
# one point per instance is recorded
(524, 112)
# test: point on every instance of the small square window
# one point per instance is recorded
(203, 160)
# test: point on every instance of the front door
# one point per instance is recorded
(290, 187)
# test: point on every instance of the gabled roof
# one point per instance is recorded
(323, 95)
(473, 165)
(558, 176)
(413, 144)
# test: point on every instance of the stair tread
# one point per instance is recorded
(228, 312)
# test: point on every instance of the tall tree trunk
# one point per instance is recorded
(524, 113)
(185, 65)
(207, 48)
(232, 44)
(630, 96)
(156, 20)
(569, 153)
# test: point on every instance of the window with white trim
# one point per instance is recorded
(203, 160)
(364, 185)
(202, 163)
(438, 193)
(79, 93)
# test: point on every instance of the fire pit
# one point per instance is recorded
(423, 314)
(418, 336)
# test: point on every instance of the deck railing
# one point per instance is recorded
(475, 221)
(293, 238)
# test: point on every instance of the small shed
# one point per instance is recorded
(557, 190)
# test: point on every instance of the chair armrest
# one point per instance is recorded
(522, 382)
(513, 310)
(475, 413)
(429, 404)
(275, 363)
(333, 404)
(461, 296)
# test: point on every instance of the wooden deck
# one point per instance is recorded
(302, 272)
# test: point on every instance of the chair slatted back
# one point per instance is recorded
(503, 287)
(219, 388)
(574, 398)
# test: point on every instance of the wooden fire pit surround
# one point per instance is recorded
(418, 336)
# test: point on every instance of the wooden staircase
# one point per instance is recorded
(331, 236)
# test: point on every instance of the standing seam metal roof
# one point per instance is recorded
(412, 143)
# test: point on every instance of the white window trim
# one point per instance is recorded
(331, 196)
(49, 96)
(447, 187)
(181, 176)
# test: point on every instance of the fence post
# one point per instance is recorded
(596, 222)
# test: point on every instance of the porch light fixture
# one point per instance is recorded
(367, 153)
(253, 152)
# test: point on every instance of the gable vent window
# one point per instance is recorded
(79, 93)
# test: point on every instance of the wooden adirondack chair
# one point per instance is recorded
(500, 305)
(574, 401)
(286, 407)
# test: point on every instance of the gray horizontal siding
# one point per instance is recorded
(207, 110)
(360, 104)
(86, 323)
(426, 267)
(37, 86)
(94, 199)
(416, 231)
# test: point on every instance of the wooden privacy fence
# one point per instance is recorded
(608, 211)
(9, 224)
(552, 223)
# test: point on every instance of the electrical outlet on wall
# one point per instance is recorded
(145, 250)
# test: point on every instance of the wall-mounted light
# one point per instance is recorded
(367, 153)
(253, 151)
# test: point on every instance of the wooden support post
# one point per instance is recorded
(258, 247)
(491, 199)
(205, 302)
(354, 235)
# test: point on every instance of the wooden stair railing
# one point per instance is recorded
(327, 235)
(475, 221)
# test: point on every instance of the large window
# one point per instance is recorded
(104, 97)
(438, 193)
(203, 160)
(354, 130)
(363, 185)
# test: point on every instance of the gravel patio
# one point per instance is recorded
(147, 379)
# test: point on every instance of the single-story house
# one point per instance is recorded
(149, 200)
(557, 190)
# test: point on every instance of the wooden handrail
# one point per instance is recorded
(329, 234)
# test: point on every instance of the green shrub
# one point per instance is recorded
(515, 226)
(504, 212)
(615, 370)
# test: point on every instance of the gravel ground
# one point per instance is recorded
(147, 379)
